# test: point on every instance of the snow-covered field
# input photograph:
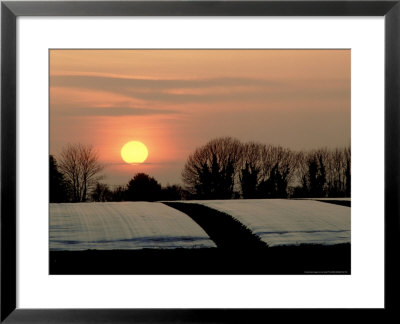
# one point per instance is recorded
(289, 222)
(137, 225)
(122, 225)
(327, 199)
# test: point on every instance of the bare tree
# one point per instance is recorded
(347, 155)
(282, 158)
(338, 162)
(278, 171)
(210, 171)
(324, 172)
(81, 168)
(251, 167)
(301, 173)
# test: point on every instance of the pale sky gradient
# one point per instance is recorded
(176, 100)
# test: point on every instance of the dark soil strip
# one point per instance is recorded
(337, 202)
(303, 259)
(223, 229)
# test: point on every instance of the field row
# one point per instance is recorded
(196, 224)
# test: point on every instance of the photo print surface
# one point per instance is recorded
(200, 161)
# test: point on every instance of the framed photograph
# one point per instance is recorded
(203, 184)
(168, 161)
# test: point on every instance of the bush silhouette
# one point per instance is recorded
(142, 187)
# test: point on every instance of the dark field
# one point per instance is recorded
(225, 231)
(303, 259)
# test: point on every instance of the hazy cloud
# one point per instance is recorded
(157, 89)
(116, 111)
(103, 82)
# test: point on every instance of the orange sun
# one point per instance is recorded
(134, 152)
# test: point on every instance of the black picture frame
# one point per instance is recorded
(10, 10)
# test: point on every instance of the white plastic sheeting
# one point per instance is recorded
(122, 225)
(289, 222)
(326, 199)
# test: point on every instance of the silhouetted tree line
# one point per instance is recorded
(75, 178)
(324, 173)
(225, 168)
(143, 187)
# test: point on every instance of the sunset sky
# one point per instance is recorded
(176, 100)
